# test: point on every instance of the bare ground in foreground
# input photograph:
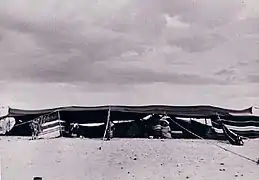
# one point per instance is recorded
(141, 159)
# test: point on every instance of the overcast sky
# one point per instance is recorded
(178, 52)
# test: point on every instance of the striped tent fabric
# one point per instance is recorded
(49, 126)
(246, 127)
(243, 126)
(232, 137)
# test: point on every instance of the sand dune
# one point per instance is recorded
(141, 159)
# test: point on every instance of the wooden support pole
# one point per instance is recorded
(60, 127)
(107, 124)
(58, 115)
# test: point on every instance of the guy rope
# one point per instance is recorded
(217, 145)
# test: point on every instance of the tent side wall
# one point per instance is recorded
(21, 128)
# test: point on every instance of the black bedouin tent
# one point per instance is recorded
(242, 121)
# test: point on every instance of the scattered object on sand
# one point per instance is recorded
(37, 178)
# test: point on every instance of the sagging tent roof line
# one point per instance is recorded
(196, 110)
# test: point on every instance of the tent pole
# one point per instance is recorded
(107, 123)
(60, 128)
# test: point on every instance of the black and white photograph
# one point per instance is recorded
(129, 89)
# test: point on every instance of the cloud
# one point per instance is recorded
(250, 9)
(254, 78)
(205, 42)
(129, 43)
(175, 22)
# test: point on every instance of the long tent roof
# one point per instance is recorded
(201, 111)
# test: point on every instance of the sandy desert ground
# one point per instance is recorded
(139, 159)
